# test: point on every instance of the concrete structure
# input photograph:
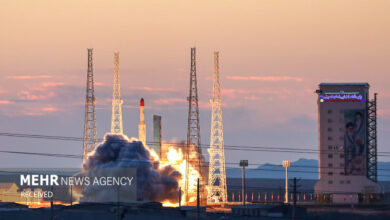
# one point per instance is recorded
(344, 143)
(90, 135)
(116, 118)
(157, 134)
(142, 126)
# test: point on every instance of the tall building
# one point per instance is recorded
(157, 134)
(347, 150)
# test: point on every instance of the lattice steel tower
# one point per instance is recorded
(90, 136)
(217, 191)
(372, 165)
(116, 118)
(193, 129)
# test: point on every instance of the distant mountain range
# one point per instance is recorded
(302, 168)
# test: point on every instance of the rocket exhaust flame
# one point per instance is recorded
(174, 155)
(157, 179)
(155, 182)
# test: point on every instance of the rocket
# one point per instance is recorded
(141, 126)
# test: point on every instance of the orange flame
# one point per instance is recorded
(174, 156)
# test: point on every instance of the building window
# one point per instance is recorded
(342, 111)
(341, 181)
(330, 173)
(341, 164)
(330, 165)
(341, 129)
(341, 138)
(330, 182)
(341, 155)
(330, 155)
(341, 120)
(341, 173)
(330, 129)
(330, 138)
(329, 120)
(330, 111)
(330, 147)
(348, 181)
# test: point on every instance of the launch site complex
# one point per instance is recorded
(347, 152)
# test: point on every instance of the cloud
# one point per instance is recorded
(151, 89)
(253, 94)
(385, 113)
(49, 109)
(180, 70)
(43, 92)
(252, 97)
(169, 101)
(99, 84)
(6, 102)
(40, 111)
(265, 78)
(24, 77)
(52, 84)
(33, 96)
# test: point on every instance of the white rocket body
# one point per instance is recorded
(141, 126)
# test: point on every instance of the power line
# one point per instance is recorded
(73, 156)
(79, 157)
(228, 147)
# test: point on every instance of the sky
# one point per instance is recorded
(273, 55)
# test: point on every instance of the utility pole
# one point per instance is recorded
(118, 214)
(71, 195)
(286, 164)
(243, 164)
(197, 200)
(51, 205)
(179, 196)
(295, 198)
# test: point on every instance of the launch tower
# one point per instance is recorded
(90, 136)
(217, 191)
(193, 129)
(116, 118)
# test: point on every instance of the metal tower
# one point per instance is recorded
(90, 136)
(217, 191)
(116, 118)
(372, 169)
(193, 129)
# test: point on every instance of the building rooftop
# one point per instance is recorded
(345, 84)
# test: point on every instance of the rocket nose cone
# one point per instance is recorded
(141, 103)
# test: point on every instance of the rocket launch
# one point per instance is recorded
(141, 126)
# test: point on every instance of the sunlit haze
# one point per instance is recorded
(273, 55)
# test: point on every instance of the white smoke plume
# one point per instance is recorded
(154, 182)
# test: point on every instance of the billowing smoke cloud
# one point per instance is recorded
(154, 183)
